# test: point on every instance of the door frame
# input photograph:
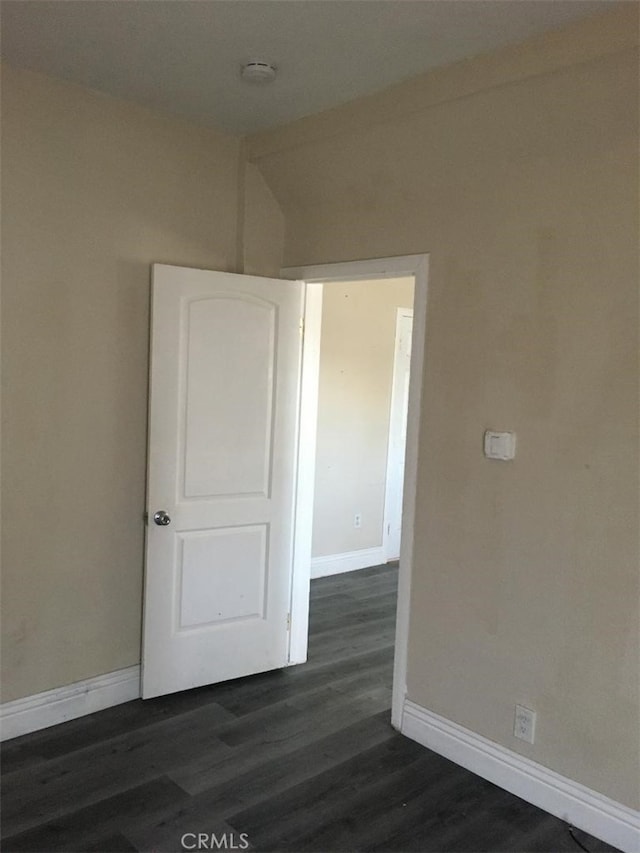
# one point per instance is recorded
(314, 276)
(393, 434)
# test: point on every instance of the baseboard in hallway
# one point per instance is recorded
(335, 564)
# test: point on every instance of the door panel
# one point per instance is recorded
(245, 384)
(225, 371)
(208, 562)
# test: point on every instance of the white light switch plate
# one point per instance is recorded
(499, 445)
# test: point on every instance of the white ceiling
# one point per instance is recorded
(184, 56)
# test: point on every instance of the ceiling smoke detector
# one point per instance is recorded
(258, 72)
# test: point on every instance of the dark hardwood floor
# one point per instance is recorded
(294, 760)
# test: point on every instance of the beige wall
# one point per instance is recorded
(93, 191)
(356, 371)
(262, 230)
(519, 175)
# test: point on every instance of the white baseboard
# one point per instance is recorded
(335, 564)
(66, 703)
(579, 806)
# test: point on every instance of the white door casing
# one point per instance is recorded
(374, 268)
(223, 434)
(397, 434)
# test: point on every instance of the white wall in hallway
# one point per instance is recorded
(356, 366)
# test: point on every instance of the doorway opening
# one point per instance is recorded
(361, 424)
(322, 526)
(363, 386)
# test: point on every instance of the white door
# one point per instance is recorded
(397, 434)
(223, 416)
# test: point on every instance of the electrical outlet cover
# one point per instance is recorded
(524, 724)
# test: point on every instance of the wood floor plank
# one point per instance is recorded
(296, 681)
(77, 830)
(375, 588)
(305, 709)
(280, 822)
(19, 756)
(274, 776)
(113, 844)
(90, 730)
(279, 741)
(508, 818)
(367, 578)
(551, 834)
(355, 639)
(348, 603)
(82, 777)
(352, 613)
(385, 805)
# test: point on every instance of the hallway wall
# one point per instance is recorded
(356, 366)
